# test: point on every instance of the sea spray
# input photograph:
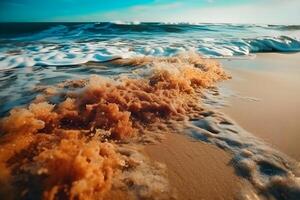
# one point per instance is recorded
(85, 145)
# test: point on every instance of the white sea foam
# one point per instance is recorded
(272, 174)
(71, 44)
(126, 22)
(73, 54)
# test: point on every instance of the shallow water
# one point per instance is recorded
(19, 86)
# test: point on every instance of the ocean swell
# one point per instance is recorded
(279, 44)
(63, 54)
(57, 44)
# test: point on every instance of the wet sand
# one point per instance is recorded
(196, 170)
(272, 79)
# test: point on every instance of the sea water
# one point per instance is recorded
(33, 54)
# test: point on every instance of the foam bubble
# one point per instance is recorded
(272, 174)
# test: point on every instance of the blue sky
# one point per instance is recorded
(220, 11)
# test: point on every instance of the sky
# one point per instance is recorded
(214, 11)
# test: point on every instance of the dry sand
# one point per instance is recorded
(273, 79)
(197, 170)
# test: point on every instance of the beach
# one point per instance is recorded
(270, 109)
(149, 111)
(263, 100)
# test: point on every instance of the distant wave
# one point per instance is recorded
(247, 46)
(97, 52)
(126, 23)
(286, 27)
(280, 44)
(14, 29)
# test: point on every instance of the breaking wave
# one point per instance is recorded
(52, 44)
(76, 54)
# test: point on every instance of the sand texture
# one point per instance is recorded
(271, 107)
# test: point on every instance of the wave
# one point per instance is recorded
(126, 23)
(245, 47)
(37, 31)
(79, 53)
(280, 44)
(286, 27)
(59, 44)
(15, 29)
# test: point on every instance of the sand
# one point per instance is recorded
(196, 170)
(272, 79)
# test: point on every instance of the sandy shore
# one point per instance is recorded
(265, 102)
(196, 170)
(272, 79)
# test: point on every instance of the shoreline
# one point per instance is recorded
(200, 170)
(270, 108)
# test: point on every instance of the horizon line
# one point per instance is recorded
(138, 22)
